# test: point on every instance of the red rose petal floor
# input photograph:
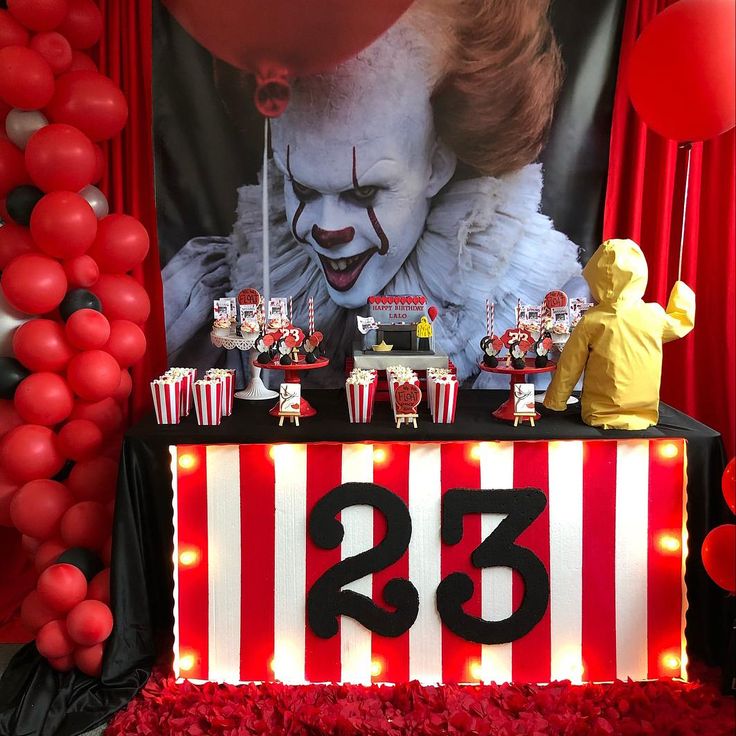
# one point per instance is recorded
(659, 708)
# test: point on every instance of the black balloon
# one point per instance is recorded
(63, 474)
(285, 360)
(86, 560)
(11, 374)
(78, 299)
(20, 203)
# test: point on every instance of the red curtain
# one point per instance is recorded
(644, 202)
(125, 56)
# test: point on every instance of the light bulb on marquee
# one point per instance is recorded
(668, 543)
(189, 556)
(379, 455)
(670, 661)
(475, 452)
(187, 662)
(475, 668)
(668, 450)
(187, 461)
(376, 667)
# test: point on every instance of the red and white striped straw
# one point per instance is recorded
(310, 315)
(291, 312)
(518, 311)
(488, 316)
(493, 317)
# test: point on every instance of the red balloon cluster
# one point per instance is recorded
(59, 260)
(719, 546)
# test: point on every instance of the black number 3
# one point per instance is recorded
(522, 507)
(325, 600)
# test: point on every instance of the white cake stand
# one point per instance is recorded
(255, 390)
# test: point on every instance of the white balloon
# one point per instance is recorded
(10, 320)
(20, 125)
(96, 199)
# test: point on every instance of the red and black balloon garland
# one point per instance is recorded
(65, 263)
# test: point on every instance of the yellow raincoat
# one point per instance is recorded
(619, 342)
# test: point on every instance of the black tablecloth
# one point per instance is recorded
(34, 699)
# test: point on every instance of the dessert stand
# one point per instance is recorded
(292, 375)
(505, 412)
(255, 390)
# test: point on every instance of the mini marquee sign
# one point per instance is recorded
(453, 562)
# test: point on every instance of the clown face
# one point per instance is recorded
(361, 162)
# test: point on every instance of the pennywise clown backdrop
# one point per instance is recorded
(461, 156)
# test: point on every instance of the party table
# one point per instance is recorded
(142, 588)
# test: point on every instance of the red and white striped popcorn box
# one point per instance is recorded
(167, 399)
(444, 401)
(188, 377)
(432, 375)
(208, 400)
(361, 395)
(227, 376)
(396, 375)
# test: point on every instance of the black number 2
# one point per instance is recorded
(522, 507)
(325, 600)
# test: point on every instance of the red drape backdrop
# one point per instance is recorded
(644, 196)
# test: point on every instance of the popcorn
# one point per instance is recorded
(188, 376)
(167, 399)
(227, 377)
(208, 400)
(360, 389)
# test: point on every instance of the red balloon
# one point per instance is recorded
(89, 659)
(93, 375)
(61, 587)
(86, 524)
(82, 62)
(682, 70)
(91, 102)
(719, 556)
(55, 49)
(100, 164)
(39, 15)
(63, 224)
(127, 343)
(89, 623)
(14, 241)
(87, 329)
(121, 244)
(122, 297)
(79, 439)
(728, 484)
(30, 452)
(83, 24)
(34, 283)
(53, 640)
(43, 398)
(106, 414)
(59, 156)
(94, 480)
(40, 345)
(47, 554)
(12, 33)
(432, 312)
(30, 544)
(12, 167)
(34, 613)
(279, 42)
(8, 487)
(81, 272)
(99, 587)
(26, 79)
(62, 664)
(38, 506)
(9, 418)
(124, 388)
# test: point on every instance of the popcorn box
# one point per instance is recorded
(208, 400)
(167, 399)
(444, 402)
(227, 377)
(188, 377)
(361, 397)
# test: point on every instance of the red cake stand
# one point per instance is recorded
(505, 412)
(292, 375)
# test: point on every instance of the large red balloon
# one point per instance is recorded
(82, 24)
(79, 439)
(8, 488)
(86, 524)
(82, 62)
(88, 329)
(89, 659)
(127, 343)
(81, 272)
(53, 640)
(276, 40)
(43, 398)
(89, 623)
(99, 587)
(47, 554)
(34, 283)
(106, 414)
(728, 484)
(126, 386)
(93, 375)
(61, 587)
(55, 49)
(12, 33)
(59, 156)
(91, 102)
(122, 297)
(26, 79)
(30, 452)
(40, 345)
(121, 244)
(63, 224)
(38, 506)
(719, 556)
(63, 664)
(34, 613)
(682, 70)
(14, 241)
(9, 418)
(39, 15)
(12, 167)
(94, 479)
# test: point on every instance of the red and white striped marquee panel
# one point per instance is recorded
(611, 538)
